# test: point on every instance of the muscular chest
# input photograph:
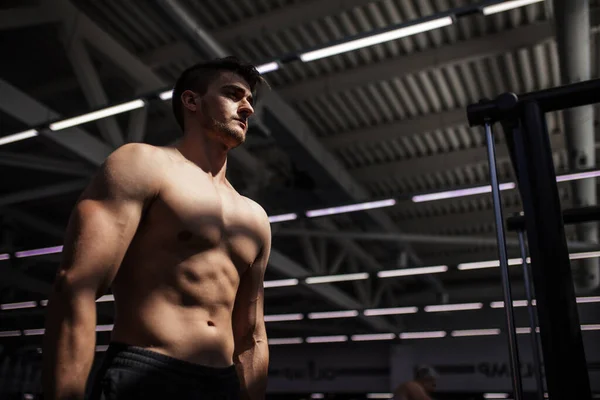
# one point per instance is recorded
(197, 218)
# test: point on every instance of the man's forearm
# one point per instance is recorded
(253, 366)
(69, 347)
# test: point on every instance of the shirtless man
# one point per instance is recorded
(184, 253)
(420, 387)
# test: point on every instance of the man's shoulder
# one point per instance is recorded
(257, 210)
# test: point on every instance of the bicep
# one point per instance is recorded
(100, 229)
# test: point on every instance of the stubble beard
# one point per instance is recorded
(230, 136)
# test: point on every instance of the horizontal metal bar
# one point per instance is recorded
(553, 99)
(570, 216)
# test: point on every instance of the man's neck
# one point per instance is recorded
(209, 155)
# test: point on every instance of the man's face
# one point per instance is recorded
(429, 384)
(225, 108)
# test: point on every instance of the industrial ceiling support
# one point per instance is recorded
(288, 125)
(417, 62)
(292, 15)
(137, 125)
(90, 83)
(43, 192)
(420, 238)
(29, 111)
(47, 164)
(572, 22)
(22, 17)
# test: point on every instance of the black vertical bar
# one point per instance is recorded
(562, 345)
(513, 351)
(535, 341)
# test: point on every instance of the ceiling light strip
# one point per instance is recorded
(16, 137)
(96, 115)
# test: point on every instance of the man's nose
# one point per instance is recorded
(246, 110)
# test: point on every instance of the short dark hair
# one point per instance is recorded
(199, 76)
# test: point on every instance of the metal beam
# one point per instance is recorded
(408, 169)
(335, 296)
(460, 52)
(137, 125)
(284, 17)
(46, 164)
(397, 130)
(146, 78)
(419, 238)
(574, 53)
(15, 18)
(29, 111)
(91, 84)
(43, 192)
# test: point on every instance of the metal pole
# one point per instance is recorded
(508, 304)
(535, 340)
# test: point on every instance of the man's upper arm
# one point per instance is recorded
(248, 317)
(106, 218)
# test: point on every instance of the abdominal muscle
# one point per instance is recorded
(182, 311)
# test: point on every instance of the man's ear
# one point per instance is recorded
(189, 100)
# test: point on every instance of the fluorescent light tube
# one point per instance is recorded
(376, 39)
(96, 115)
(590, 327)
(490, 264)
(276, 341)
(524, 330)
(380, 395)
(475, 332)
(4, 257)
(337, 278)
(43, 303)
(33, 332)
(16, 137)
(450, 194)
(350, 208)
(373, 336)
(507, 5)
(104, 328)
(516, 303)
(102, 347)
(106, 298)
(280, 283)
(16, 306)
(39, 252)
(495, 395)
(583, 300)
(577, 176)
(10, 333)
(412, 271)
(268, 67)
(166, 95)
(283, 217)
(581, 256)
(423, 335)
(327, 339)
(454, 307)
(390, 311)
(333, 314)
(317, 396)
(283, 317)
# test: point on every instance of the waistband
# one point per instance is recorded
(120, 355)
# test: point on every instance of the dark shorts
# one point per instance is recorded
(130, 372)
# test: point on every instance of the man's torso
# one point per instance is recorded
(176, 286)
